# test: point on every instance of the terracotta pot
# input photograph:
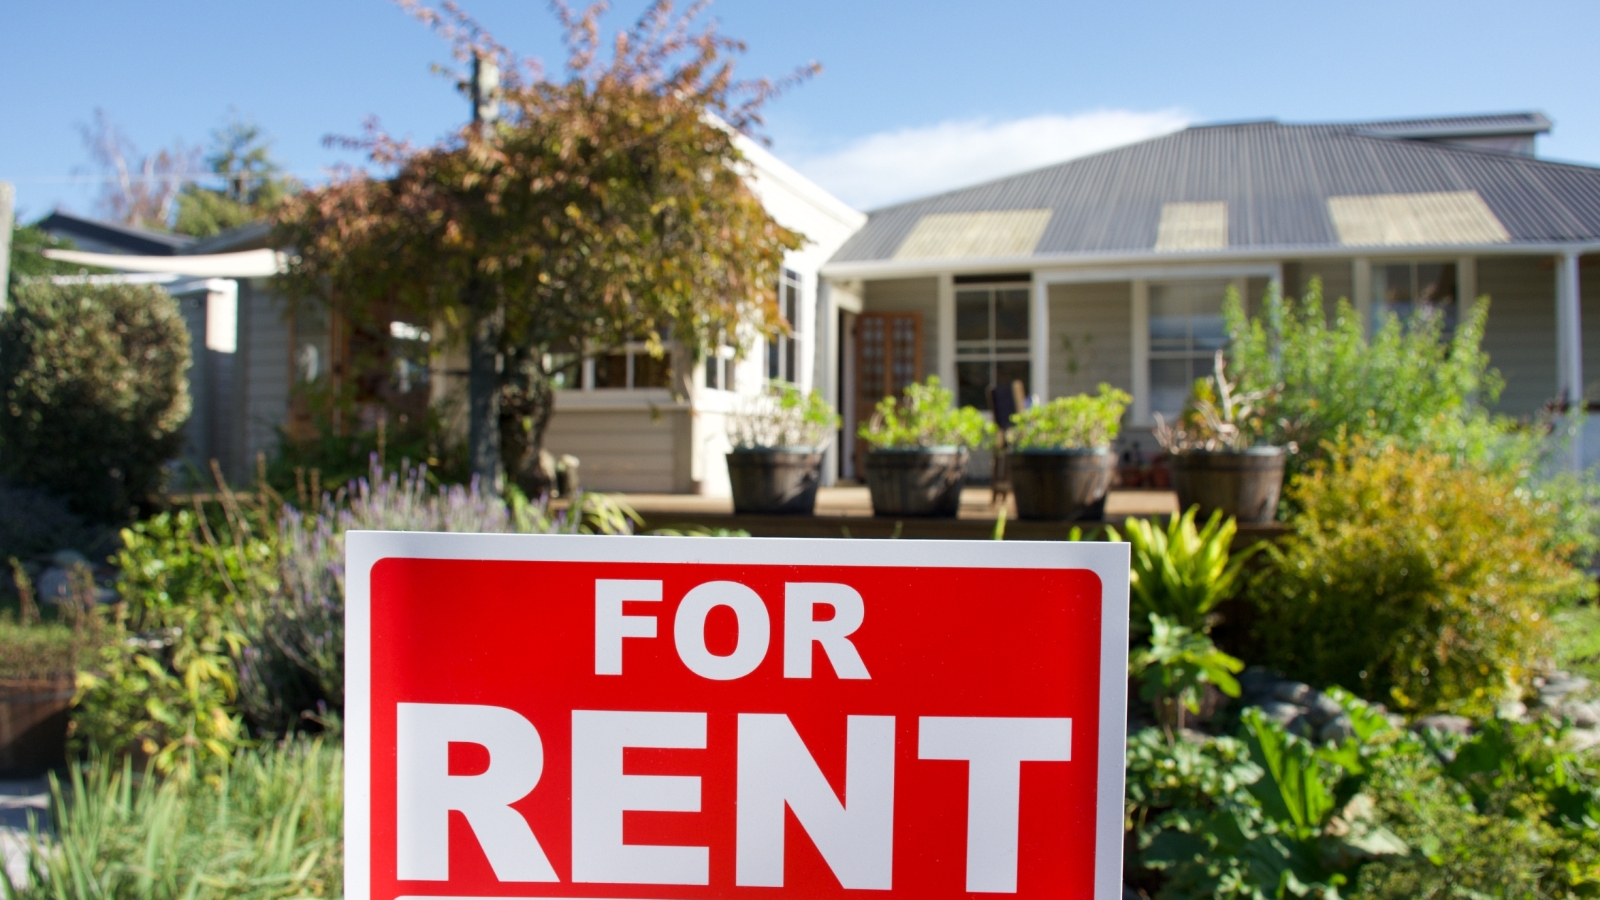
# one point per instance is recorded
(1244, 484)
(33, 724)
(916, 482)
(780, 480)
(1060, 485)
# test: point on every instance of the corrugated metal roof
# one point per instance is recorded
(1276, 181)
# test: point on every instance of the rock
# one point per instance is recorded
(53, 585)
(1280, 712)
(1514, 710)
(1323, 709)
(1559, 686)
(1301, 725)
(1257, 682)
(1445, 723)
(1337, 729)
(66, 559)
(1293, 692)
(1583, 715)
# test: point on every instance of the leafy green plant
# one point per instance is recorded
(95, 393)
(1217, 417)
(1078, 421)
(1327, 377)
(782, 415)
(1175, 667)
(165, 682)
(1184, 572)
(1302, 827)
(1412, 580)
(925, 415)
(266, 826)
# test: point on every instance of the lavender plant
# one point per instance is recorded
(292, 671)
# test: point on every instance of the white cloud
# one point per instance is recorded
(899, 165)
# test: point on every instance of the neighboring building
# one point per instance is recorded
(1114, 267)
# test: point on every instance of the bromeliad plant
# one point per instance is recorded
(925, 416)
(1182, 573)
(1078, 422)
(783, 416)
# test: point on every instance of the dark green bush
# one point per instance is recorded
(94, 393)
(1412, 580)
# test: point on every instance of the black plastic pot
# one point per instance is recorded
(780, 481)
(1244, 484)
(33, 725)
(916, 482)
(1060, 485)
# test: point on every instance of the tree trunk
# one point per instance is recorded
(526, 403)
(483, 392)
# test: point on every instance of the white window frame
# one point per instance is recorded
(790, 350)
(993, 355)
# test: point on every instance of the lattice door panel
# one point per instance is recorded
(888, 357)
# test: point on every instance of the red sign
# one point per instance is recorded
(647, 717)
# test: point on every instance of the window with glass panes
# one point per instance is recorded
(1404, 289)
(1186, 331)
(629, 367)
(783, 350)
(721, 369)
(992, 325)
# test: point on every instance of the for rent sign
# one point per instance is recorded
(644, 717)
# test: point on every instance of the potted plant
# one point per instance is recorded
(778, 438)
(38, 679)
(1060, 456)
(917, 456)
(1219, 457)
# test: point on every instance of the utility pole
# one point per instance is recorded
(485, 93)
(8, 199)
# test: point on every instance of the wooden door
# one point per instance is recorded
(888, 357)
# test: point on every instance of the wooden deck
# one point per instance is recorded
(847, 512)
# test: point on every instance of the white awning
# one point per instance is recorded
(246, 264)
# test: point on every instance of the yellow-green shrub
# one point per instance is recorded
(1412, 580)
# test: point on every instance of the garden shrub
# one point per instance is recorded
(95, 393)
(165, 683)
(1412, 580)
(1323, 377)
(266, 826)
(1078, 421)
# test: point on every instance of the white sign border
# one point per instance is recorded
(1108, 561)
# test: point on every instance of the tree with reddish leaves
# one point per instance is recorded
(606, 207)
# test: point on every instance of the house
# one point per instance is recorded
(1111, 267)
(1114, 267)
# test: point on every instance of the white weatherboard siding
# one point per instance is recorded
(631, 447)
(1521, 332)
(1094, 317)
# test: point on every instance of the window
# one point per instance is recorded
(1186, 331)
(783, 351)
(722, 369)
(992, 326)
(1404, 289)
(630, 367)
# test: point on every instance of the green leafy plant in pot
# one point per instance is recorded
(1220, 461)
(1060, 455)
(778, 438)
(917, 459)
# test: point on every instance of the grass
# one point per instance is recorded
(1578, 640)
(268, 827)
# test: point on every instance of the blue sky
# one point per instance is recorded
(914, 96)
